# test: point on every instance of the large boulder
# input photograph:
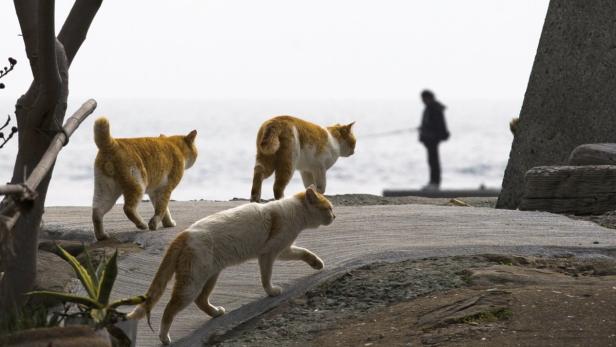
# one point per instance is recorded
(570, 96)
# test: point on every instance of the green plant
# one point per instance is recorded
(98, 284)
(29, 317)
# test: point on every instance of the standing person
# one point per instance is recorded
(432, 131)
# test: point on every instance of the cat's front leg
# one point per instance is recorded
(266, 263)
(320, 179)
(303, 254)
(307, 178)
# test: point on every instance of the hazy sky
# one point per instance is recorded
(318, 49)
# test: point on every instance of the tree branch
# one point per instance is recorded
(48, 62)
(10, 210)
(76, 26)
(25, 10)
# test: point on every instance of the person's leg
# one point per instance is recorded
(434, 162)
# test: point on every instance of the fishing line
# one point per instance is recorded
(389, 133)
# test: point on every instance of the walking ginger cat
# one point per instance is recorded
(135, 166)
(286, 144)
(201, 252)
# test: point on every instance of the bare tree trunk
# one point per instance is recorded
(40, 113)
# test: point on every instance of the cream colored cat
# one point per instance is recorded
(286, 144)
(201, 252)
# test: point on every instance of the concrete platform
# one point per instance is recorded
(360, 234)
(442, 193)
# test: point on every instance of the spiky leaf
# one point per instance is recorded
(100, 268)
(108, 279)
(135, 300)
(64, 297)
(81, 273)
(90, 268)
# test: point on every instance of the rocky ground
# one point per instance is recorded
(457, 301)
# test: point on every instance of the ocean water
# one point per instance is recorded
(476, 153)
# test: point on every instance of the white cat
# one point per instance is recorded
(263, 231)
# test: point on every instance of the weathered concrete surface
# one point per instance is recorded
(360, 234)
(569, 100)
(580, 190)
(594, 154)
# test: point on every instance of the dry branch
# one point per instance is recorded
(13, 205)
(6, 70)
(15, 189)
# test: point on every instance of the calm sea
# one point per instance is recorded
(475, 154)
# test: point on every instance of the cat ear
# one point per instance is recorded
(350, 125)
(190, 138)
(311, 194)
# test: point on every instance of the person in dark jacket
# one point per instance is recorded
(432, 131)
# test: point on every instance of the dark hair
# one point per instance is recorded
(427, 94)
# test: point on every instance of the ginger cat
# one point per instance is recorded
(133, 167)
(286, 144)
(201, 252)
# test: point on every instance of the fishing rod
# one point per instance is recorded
(391, 132)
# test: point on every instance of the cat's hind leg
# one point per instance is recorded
(188, 283)
(168, 221)
(133, 193)
(284, 171)
(106, 193)
(303, 254)
(203, 300)
(307, 178)
(263, 169)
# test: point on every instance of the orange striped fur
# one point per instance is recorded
(135, 166)
(286, 143)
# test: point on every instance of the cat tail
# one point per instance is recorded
(270, 142)
(102, 135)
(166, 269)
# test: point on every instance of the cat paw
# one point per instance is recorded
(169, 223)
(102, 236)
(317, 263)
(153, 224)
(219, 311)
(165, 338)
(273, 291)
(141, 226)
